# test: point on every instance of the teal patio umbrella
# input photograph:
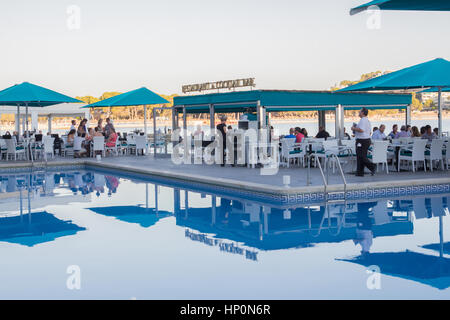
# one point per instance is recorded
(433, 74)
(141, 96)
(30, 95)
(412, 5)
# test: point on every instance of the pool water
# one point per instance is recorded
(93, 235)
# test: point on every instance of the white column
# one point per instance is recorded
(17, 120)
(145, 121)
(339, 122)
(440, 111)
(49, 124)
(34, 121)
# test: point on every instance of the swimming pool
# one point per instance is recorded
(91, 234)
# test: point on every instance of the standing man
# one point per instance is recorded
(222, 128)
(362, 135)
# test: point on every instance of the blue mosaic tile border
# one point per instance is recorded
(291, 199)
(41, 168)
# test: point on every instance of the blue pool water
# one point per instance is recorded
(129, 238)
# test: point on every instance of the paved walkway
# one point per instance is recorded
(251, 179)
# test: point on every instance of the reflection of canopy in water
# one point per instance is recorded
(430, 270)
(38, 228)
(280, 233)
(145, 217)
(437, 247)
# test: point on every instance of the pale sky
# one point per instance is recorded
(284, 44)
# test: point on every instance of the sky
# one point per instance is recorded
(283, 44)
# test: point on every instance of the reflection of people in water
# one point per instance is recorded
(225, 209)
(111, 183)
(364, 233)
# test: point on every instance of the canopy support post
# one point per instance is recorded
(440, 111)
(18, 120)
(49, 129)
(145, 121)
(321, 118)
(408, 115)
(212, 117)
(184, 118)
(339, 120)
(154, 132)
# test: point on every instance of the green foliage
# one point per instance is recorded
(126, 113)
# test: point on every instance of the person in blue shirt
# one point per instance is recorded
(291, 133)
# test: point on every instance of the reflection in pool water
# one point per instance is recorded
(190, 239)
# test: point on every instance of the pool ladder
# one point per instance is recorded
(325, 180)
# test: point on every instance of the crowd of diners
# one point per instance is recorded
(406, 131)
(80, 130)
(378, 133)
(88, 134)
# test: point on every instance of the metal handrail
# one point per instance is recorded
(325, 184)
(325, 180)
(342, 174)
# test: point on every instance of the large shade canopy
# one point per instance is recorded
(45, 227)
(413, 5)
(141, 96)
(432, 74)
(145, 217)
(430, 270)
(31, 95)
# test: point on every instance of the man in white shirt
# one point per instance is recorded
(362, 135)
(379, 134)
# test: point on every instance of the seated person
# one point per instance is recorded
(394, 131)
(97, 132)
(429, 134)
(379, 134)
(298, 135)
(291, 133)
(346, 135)
(402, 134)
(305, 133)
(111, 141)
(71, 138)
(323, 134)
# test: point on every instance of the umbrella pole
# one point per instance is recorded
(440, 111)
(18, 120)
(145, 127)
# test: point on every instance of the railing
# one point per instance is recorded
(325, 179)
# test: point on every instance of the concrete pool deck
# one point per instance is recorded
(247, 179)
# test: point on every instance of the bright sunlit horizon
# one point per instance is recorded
(286, 44)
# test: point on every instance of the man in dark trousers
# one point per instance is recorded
(222, 128)
(362, 135)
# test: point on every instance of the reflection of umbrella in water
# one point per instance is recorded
(145, 217)
(431, 270)
(44, 227)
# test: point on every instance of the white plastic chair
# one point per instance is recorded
(379, 153)
(115, 149)
(98, 145)
(289, 153)
(141, 144)
(3, 148)
(47, 142)
(414, 154)
(446, 153)
(435, 153)
(78, 145)
(131, 144)
(12, 150)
